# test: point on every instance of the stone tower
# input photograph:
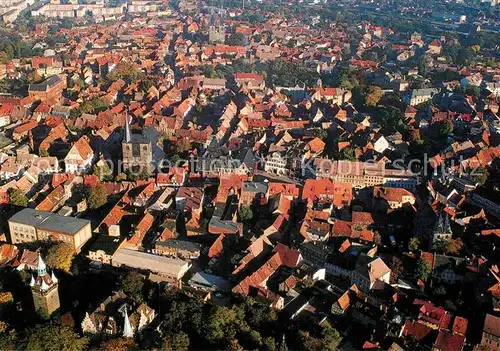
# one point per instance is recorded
(137, 150)
(217, 34)
(45, 290)
(217, 29)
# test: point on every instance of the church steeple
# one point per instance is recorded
(127, 136)
(128, 332)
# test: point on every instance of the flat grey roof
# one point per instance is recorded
(158, 264)
(255, 187)
(228, 225)
(49, 221)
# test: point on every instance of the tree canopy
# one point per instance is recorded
(236, 39)
(97, 196)
(245, 213)
(373, 96)
(423, 270)
(132, 283)
(17, 197)
(60, 256)
(54, 337)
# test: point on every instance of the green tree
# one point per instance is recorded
(236, 39)
(222, 324)
(245, 213)
(144, 174)
(422, 67)
(97, 196)
(17, 197)
(391, 119)
(414, 244)
(60, 256)
(440, 290)
(102, 171)
(330, 338)
(52, 337)
(480, 175)
(176, 342)
(44, 153)
(9, 340)
(131, 284)
(347, 153)
(423, 270)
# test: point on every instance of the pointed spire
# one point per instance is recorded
(44, 285)
(128, 332)
(41, 267)
(127, 135)
(53, 278)
(32, 282)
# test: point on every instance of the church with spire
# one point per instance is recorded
(112, 317)
(137, 150)
(44, 288)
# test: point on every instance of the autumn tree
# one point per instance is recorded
(17, 197)
(5, 297)
(396, 268)
(126, 71)
(97, 196)
(373, 96)
(454, 246)
(117, 344)
(60, 256)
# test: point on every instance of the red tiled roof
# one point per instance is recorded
(142, 228)
(460, 325)
(416, 330)
(23, 128)
(447, 341)
(216, 249)
(289, 257)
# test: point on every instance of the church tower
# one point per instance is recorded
(45, 290)
(137, 150)
(217, 29)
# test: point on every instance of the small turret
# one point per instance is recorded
(53, 278)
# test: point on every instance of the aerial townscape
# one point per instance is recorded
(250, 175)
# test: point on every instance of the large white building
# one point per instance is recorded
(171, 269)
